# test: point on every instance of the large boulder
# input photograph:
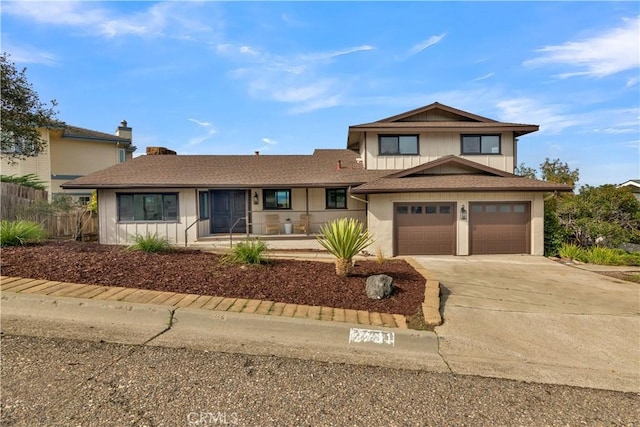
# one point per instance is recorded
(379, 286)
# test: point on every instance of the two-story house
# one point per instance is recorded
(434, 180)
(72, 152)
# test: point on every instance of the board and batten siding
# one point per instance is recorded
(113, 232)
(380, 215)
(315, 205)
(434, 146)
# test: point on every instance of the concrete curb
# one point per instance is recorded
(208, 302)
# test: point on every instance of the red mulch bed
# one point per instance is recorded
(196, 272)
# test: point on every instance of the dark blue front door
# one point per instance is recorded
(227, 207)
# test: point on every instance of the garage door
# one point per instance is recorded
(500, 228)
(425, 229)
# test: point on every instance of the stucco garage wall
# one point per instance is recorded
(113, 232)
(380, 215)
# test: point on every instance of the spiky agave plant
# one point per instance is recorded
(344, 238)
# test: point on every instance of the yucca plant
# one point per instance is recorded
(16, 233)
(344, 238)
(247, 252)
(151, 243)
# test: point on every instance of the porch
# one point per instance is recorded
(283, 242)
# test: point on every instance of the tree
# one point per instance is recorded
(22, 114)
(555, 232)
(558, 172)
(526, 171)
(601, 216)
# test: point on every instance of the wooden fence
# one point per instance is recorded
(23, 203)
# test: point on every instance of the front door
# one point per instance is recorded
(227, 208)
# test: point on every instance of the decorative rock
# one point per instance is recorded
(379, 286)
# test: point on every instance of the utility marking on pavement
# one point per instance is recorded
(357, 335)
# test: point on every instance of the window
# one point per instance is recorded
(122, 155)
(402, 209)
(336, 198)
(398, 144)
(480, 144)
(148, 207)
(84, 200)
(276, 199)
(203, 204)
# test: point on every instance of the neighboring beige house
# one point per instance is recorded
(72, 152)
(434, 180)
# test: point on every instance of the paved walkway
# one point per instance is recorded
(180, 300)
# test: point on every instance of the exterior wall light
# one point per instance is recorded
(463, 213)
(255, 198)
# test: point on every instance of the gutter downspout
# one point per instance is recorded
(366, 205)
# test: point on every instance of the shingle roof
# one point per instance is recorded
(232, 171)
(462, 182)
(82, 133)
(463, 175)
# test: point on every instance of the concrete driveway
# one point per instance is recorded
(533, 319)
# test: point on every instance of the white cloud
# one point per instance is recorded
(202, 138)
(550, 117)
(90, 18)
(29, 55)
(269, 141)
(248, 50)
(486, 76)
(425, 44)
(601, 55)
(201, 123)
(298, 79)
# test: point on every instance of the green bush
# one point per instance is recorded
(599, 255)
(247, 252)
(30, 180)
(344, 238)
(151, 243)
(554, 232)
(15, 233)
(602, 256)
(573, 252)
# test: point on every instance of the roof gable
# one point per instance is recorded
(449, 165)
(435, 112)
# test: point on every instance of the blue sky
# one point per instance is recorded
(288, 77)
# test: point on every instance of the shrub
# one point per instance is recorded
(15, 233)
(151, 243)
(247, 252)
(30, 180)
(602, 256)
(573, 252)
(344, 238)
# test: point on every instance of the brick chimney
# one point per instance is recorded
(124, 131)
(160, 151)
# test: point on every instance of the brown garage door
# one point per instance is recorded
(425, 229)
(500, 228)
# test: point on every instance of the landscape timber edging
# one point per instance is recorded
(431, 304)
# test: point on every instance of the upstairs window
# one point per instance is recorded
(480, 144)
(276, 199)
(393, 145)
(122, 155)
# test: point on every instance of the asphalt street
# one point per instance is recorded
(48, 381)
